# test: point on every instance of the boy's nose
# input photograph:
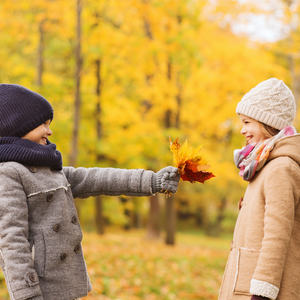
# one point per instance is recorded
(49, 132)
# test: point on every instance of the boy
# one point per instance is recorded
(40, 235)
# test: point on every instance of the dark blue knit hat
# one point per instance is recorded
(21, 110)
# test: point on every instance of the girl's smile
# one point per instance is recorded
(251, 130)
(39, 134)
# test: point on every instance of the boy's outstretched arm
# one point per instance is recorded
(86, 182)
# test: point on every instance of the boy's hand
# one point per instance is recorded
(166, 179)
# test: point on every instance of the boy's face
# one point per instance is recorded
(251, 130)
(39, 134)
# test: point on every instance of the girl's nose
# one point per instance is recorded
(243, 131)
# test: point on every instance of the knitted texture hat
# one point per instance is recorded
(271, 102)
(21, 110)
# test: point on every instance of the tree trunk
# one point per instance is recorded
(99, 215)
(295, 79)
(168, 113)
(127, 213)
(77, 104)
(98, 104)
(178, 99)
(138, 220)
(179, 87)
(170, 221)
(168, 119)
(170, 209)
(40, 60)
(154, 224)
(220, 216)
(100, 222)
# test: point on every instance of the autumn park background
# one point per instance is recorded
(125, 75)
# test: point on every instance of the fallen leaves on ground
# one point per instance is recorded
(126, 266)
(129, 267)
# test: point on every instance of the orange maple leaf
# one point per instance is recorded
(191, 165)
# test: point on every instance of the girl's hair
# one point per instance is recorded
(267, 130)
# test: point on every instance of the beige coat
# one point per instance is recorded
(265, 257)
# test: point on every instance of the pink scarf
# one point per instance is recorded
(253, 157)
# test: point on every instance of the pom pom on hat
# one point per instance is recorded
(271, 102)
(21, 110)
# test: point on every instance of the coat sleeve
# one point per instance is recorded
(86, 182)
(281, 198)
(15, 256)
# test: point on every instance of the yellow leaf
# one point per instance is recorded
(191, 165)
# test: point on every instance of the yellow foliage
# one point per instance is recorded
(167, 69)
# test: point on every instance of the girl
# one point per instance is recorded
(264, 262)
(40, 235)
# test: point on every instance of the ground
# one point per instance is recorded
(126, 266)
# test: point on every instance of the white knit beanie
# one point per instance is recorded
(271, 102)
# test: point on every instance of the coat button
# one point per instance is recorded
(63, 256)
(74, 220)
(32, 277)
(56, 227)
(77, 249)
(33, 169)
(49, 197)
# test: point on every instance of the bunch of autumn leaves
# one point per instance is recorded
(191, 165)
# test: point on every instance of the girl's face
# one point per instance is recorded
(251, 130)
(39, 134)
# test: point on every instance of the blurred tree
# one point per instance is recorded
(154, 222)
(98, 200)
(77, 103)
(40, 52)
(163, 68)
(287, 49)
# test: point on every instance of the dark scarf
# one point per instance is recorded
(30, 153)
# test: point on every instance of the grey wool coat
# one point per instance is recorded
(40, 235)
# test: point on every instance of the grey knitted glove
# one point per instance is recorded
(165, 179)
(36, 298)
